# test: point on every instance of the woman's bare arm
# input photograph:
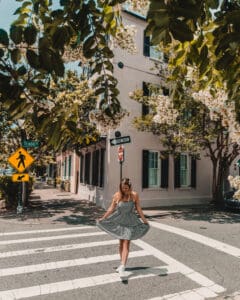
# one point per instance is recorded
(111, 207)
(138, 207)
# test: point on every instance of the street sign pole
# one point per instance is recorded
(121, 159)
(20, 200)
(121, 163)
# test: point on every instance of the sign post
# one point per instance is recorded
(20, 160)
(121, 159)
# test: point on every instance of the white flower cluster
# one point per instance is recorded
(74, 54)
(222, 109)
(166, 113)
(125, 38)
(140, 6)
(104, 122)
(235, 183)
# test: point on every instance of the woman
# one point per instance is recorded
(121, 222)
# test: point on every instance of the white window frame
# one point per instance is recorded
(188, 171)
(158, 174)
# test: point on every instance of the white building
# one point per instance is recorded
(160, 180)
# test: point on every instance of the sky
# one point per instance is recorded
(7, 9)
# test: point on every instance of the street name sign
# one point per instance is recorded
(30, 144)
(21, 159)
(120, 140)
(20, 177)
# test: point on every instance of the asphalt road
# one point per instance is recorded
(187, 254)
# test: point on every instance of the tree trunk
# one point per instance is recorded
(220, 182)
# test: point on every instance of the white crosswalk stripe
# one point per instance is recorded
(206, 287)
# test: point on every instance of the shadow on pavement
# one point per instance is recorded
(59, 207)
(206, 213)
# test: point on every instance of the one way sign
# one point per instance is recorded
(120, 140)
(20, 177)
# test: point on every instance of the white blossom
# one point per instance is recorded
(125, 38)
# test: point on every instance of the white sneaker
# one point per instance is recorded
(117, 270)
(122, 272)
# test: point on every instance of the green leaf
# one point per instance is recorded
(21, 71)
(1, 52)
(30, 34)
(58, 65)
(214, 4)
(225, 61)
(45, 58)
(60, 37)
(16, 34)
(16, 56)
(33, 59)
(180, 31)
(4, 37)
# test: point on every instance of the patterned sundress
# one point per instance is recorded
(123, 223)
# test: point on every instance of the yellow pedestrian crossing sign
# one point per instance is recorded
(20, 177)
(21, 159)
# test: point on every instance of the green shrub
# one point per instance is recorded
(9, 190)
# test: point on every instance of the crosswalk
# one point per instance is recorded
(79, 263)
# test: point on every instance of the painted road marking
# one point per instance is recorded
(57, 248)
(200, 279)
(223, 247)
(45, 230)
(63, 286)
(51, 238)
(66, 263)
(194, 294)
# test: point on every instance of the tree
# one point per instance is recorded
(198, 123)
(206, 37)
(31, 55)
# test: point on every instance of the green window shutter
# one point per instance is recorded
(95, 167)
(81, 167)
(69, 165)
(146, 45)
(193, 172)
(177, 171)
(164, 171)
(145, 108)
(87, 168)
(102, 162)
(145, 155)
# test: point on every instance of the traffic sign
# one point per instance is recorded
(21, 159)
(20, 177)
(121, 154)
(30, 144)
(120, 140)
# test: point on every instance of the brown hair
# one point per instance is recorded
(124, 181)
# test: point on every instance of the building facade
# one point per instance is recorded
(160, 179)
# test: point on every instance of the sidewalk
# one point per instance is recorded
(49, 205)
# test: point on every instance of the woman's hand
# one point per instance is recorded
(100, 219)
(145, 222)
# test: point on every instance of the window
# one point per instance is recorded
(148, 90)
(154, 169)
(151, 51)
(185, 171)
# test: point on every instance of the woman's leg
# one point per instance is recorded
(125, 251)
(120, 248)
